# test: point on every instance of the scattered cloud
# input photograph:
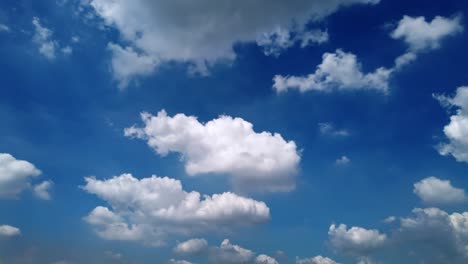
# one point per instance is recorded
(150, 209)
(264, 259)
(256, 161)
(9, 231)
(329, 129)
(315, 260)
(191, 246)
(339, 70)
(457, 130)
(15, 175)
(230, 253)
(42, 190)
(174, 261)
(390, 219)
(204, 34)
(342, 161)
(4, 28)
(42, 38)
(434, 191)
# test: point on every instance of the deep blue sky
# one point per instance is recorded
(67, 116)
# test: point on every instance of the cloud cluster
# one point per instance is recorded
(226, 145)
(457, 130)
(342, 71)
(149, 209)
(201, 34)
(46, 45)
(434, 191)
(355, 241)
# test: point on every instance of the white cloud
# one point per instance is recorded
(339, 70)
(230, 253)
(256, 161)
(435, 191)
(342, 161)
(203, 33)
(275, 42)
(9, 231)
(152, 208)
(329, 129)
(191, 246)
(390, 219)
(457, 130)
(42, 38)
(15, 175)
(420, 34)
(316, 260)
(67, 50)
(264, 259)
(342, 71)
(42, 190)
(355, 241)
(174, 261)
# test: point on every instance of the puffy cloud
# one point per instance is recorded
(191, 246)
(342, 71)
(339, 70)
(273, 43)
(15, 175)
(420, 34)
(438, 192)
(204, 33)
(342, 161)
(42, 190)
(9, 231)
(264, 259)
(355, 241)
(457, 130)
(149, 209)
(230, 253)
(255, 161)
(316, 260)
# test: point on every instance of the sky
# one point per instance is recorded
(258, 132)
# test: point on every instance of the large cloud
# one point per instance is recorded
(256, 161)
(15, 175)
(435, 191)
(202, 33)
(149, 209)
(342, 70)
(457, 130)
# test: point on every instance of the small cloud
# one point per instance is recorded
(9, 231)
(329, 129)
(342, 161)
(42, 190)
(4, 28)
(390, 219)
(67, 50)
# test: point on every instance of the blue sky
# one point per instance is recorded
(363, 160)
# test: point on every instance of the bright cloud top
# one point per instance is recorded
(265, 259)
(435, 191)
(256, 161)
(457, 130)
(191, 246)
(149, 209)
(316, 260)
(355, 241)
(204, 33)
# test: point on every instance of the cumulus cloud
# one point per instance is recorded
(339, 70)
(191, 246)
(265, 259)
(315, 260)
(435, 191)
(230, 253)
(9, 231)
(342, 71)
(150, 209)
(15, 175)
(42, 190)
(420, 34)
(355, 241)
(255, 161)
(457, 130)
(202, 34)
